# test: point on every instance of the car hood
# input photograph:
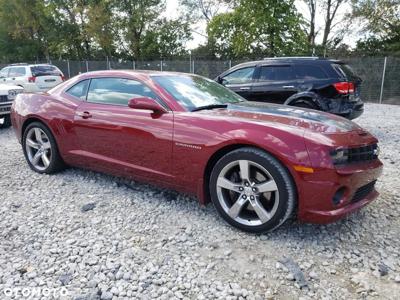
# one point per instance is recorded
(4, 88)
(307, 119)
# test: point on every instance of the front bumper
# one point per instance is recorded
(5, 108)
(317, 191)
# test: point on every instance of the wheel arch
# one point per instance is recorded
(310, 96)
(33, 119)
(205, 194)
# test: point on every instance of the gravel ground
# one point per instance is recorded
(88, 236)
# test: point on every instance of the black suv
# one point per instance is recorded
(310, 82)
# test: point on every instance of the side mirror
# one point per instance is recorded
(146, 103)
(221, 80)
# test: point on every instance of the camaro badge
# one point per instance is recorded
(188, 146)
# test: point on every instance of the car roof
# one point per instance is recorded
(297, 60)
(29, 65)
(144, 74)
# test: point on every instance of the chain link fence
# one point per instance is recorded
(380, 75)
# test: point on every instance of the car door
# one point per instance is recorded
(135, 142)
(240, 81)
(16, 75)
(274, 83)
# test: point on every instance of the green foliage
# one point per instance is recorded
(136, 29)
(258, 28)
(166, 39)
(88, 29)
(381, 21)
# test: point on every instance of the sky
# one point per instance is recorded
(172, 12)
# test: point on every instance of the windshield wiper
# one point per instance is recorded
(211, 106)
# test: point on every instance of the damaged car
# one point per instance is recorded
(258, 163)
(309, 82)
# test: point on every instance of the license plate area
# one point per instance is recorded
(3, 109)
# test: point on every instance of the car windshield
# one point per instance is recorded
(194, 92)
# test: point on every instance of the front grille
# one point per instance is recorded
(361, 154)
(363, 191)
(4, 98)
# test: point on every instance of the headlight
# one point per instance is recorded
(340, 156)
(377, 151)
(12, 94)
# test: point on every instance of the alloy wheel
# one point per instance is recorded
(38, 148)
(247, 192)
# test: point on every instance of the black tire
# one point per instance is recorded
(56, 163)
(305, 103)
(6, 121)
(287, 195)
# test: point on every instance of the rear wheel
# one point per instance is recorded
(5, 122)
(40, 149)
(252, 191)
(304, 103)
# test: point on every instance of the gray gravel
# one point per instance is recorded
(100, 237)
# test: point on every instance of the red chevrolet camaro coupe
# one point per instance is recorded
(258, 163)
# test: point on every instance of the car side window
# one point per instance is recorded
(243, 75)
(79, 90)
(17, 71)
(117, 91)
(310, 72)
(276, 73)
(4, 73)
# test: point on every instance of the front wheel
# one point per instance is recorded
(252, 190)
(40, 149)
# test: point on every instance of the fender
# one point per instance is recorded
(313, 97)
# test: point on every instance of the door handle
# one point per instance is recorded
(288, 86)
(85, 115)
(245, 88)
(13, 78)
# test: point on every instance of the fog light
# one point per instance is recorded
(338, 195)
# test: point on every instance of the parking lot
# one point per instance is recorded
(98, 236)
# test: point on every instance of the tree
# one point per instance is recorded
(102, 26)
(311, 32)
(380, 20)
(333, 30)
(23, 30)
(165, 39)
(205, 10)
(381, 17)
(331, 8)
(71, 23)
(258, 28)
(135, 18)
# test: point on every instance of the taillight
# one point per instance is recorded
(344, 88)
(62, 77)
(32, 79)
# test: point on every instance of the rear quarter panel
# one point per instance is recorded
(56, 112)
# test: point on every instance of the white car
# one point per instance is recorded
(8, 93)
(33, 78)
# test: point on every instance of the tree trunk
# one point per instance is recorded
(136, 46)
(311, 34)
